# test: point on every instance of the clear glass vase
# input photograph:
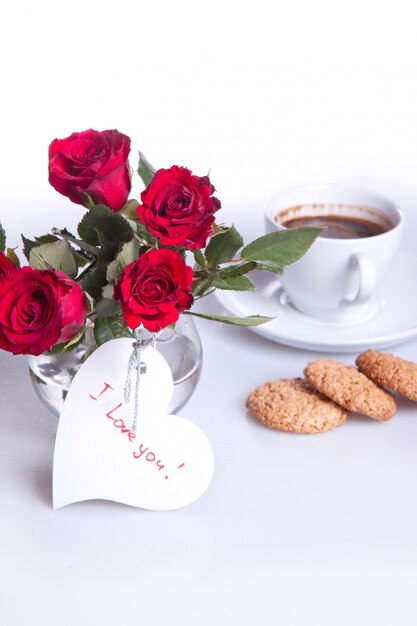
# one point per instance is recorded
(52, 375)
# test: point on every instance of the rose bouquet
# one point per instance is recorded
(132, 263)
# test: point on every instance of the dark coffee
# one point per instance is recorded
(339, 226)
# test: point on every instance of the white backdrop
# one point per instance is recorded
(266, 94)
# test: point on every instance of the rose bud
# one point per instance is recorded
(155, 289)
(38, 309)
(178, 207)
(93, 163)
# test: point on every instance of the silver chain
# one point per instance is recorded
(137, 367)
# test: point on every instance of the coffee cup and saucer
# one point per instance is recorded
(349, 291)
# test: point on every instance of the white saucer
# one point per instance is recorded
(391, 319)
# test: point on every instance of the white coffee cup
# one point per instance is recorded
(337, 278)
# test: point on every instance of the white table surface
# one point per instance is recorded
(294, 530)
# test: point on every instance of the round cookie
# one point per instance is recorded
(291, 404)
(391, 371)
(350, 388)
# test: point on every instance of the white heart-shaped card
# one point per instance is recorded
(167, 464)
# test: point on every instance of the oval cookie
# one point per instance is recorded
(291, 404)
(391, 371)
(350, 388)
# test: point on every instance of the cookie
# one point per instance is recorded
(391, 371)
(350, 388)
(291, 404)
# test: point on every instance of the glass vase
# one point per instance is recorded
(52, 375)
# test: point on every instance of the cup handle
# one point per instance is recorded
(361, 266)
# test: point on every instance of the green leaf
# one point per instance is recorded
(199, 258)
(127, 255)
(46, 239)
(11, 254)
(142, 234)
(250, 320)
(145, 170)
(281, 247)
(238, 270)
(57, 255)
(108, 328)
(203, 281)
(82, 248)
(95, 279)
(101, 227)
(101, 223)
(236, 283)
(2, 239)
(248, 266)
(129, 209)
(28, 244)
(222, 247)
(106, 307)
(270, 266)
(199, 286)
(59, 348)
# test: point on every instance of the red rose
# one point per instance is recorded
(38, 309)
(178, 207)
(92, 162)
(155, 289)
(6, 265)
